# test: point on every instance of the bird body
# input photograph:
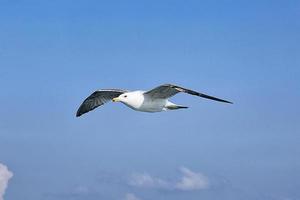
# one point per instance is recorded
(140, 102)
(155, 100)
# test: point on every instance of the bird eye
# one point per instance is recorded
(125, 96)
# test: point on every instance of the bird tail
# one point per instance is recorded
(175, 107)
(179, 107)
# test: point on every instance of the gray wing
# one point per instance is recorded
(169, 90)
(98, 98)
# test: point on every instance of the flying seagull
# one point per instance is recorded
(155, 100)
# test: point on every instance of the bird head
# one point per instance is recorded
(122, 98)
(132, 99)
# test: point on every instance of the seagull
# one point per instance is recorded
(155, 100)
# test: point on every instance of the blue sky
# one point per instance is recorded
(55, 53)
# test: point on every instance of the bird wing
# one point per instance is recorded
(98, 98)
(169, 90)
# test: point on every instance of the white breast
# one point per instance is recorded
(138, 101)
(134, 99)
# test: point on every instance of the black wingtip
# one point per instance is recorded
(224, 101)
(213, 98)
(78, 114)
(228, 102)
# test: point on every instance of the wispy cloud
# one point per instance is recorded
(130, 196)
(147, 181)
(5, 175)
(189, 181)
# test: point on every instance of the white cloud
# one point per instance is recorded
(5, 175)
(189, 181)
(147, 181)
(130, 196)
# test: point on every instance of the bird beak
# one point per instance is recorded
(116, 99)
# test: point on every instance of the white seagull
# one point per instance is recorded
(155, 100)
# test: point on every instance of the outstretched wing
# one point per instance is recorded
(98, 98)
(169, 90)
